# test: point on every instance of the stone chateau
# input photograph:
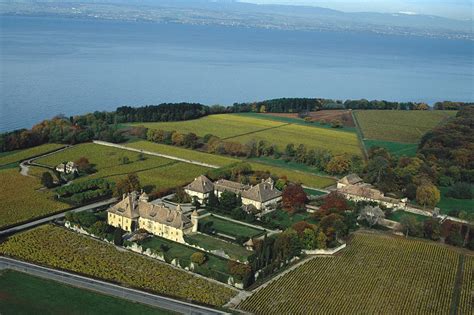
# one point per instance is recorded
(135, 212)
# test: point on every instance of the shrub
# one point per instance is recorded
(460, 191)
(198, 258)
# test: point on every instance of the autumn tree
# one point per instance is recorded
(198, 258)
(339, 164)
(47, 180)
(334, 202)
(128, 184)
(83, 165)
(294, 198)
(301, 226)
(428, 195)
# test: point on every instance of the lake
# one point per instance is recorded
(51, 66)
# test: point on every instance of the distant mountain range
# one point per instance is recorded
(233, 13)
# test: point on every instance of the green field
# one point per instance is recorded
(338, 142)
(397, 125)
(375, 274)
(21, 293)
(222, 126)
(154, 172)
(234, 251)
(183, 153)
(398, 215)
(292, 172)
(292, 120)
(244, 128)
(19, 155)
(395, 148)
(21, 199)
(449, 204)
(63, 249)
(231, 228)
(282, 220)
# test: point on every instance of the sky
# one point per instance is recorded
(457, 9)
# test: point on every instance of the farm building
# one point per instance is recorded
(67, 167)
(136, 212)
(262, 195)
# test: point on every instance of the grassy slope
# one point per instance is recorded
(399, 126)
(18, 155)
(21, 293)
(231, 228)
(243, 128)
(448, 204)
(211, 243)
(378, 274)
(223, 125)
(21, 200)
(153, 171)
(395, 148)
(293, 175)
(60, 248)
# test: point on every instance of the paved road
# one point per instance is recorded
(109, 144)
(106, 288)
(50, 218)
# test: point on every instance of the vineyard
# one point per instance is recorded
(62, 249)
(466, 303)
(375, 274)
(21, 199)
(399, 126)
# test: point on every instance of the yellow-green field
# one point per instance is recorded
(222, 126)
(293, 175)
(183, 153)
(338, 142)
(16, 156)
(375, 274)
(397, 125)
(243, 129)
(63, 249)
(21, 200)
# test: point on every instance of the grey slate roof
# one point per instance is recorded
(127, 207)
(201, 184)
(262, 192)
(350, 179)
(226, 185)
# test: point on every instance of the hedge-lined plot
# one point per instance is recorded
(59, 248)
(375, 274)
(397, 125)
(21, 199)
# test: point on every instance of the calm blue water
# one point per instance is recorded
(50, 66)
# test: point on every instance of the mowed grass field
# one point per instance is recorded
(22, 200)
(244, 128)
(63, 249)
(375, 274)
(305, 178)
(397, 125)
(154, 172)
(21, 293)
(19, 155)
(222, 125)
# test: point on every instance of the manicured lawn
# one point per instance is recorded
(60, 248)
(153, 172)
(374, 274)
(231, 228)
(183, 254)
(19, 155)
(234, 251)
(287, 165)
(21, 199)
(397, 125)
(395, 148)
(222, 126)
(338, 142)
(397, 215)
(283, 220)
(314, 192)
(21, 293)
(183, 153)
(449, 204)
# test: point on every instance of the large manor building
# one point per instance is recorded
(261, 196)
(135, 212)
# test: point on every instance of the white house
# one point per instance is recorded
(67, 168)
(200, 188)
(262, 195)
